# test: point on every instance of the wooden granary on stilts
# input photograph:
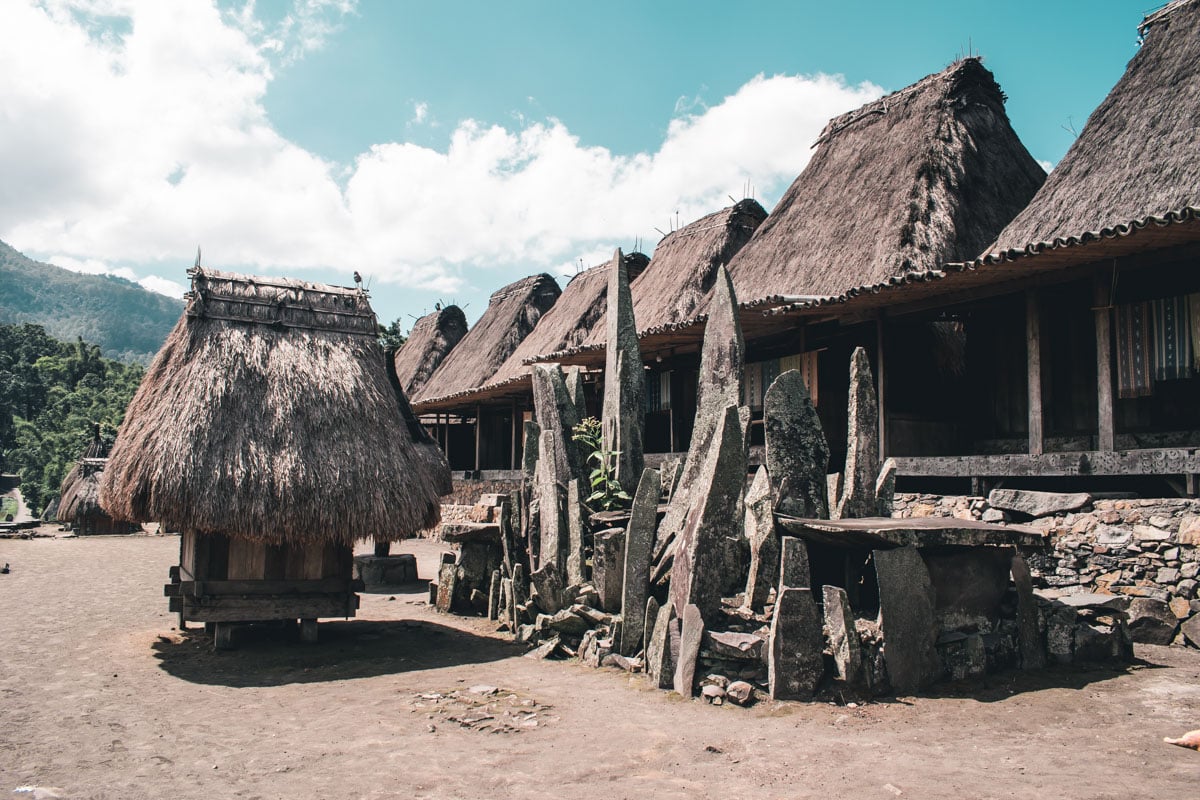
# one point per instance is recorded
(271, 432)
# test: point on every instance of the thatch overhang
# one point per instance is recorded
(673, 292)
(431, 339)
(1136, 158)
(269, 414)
(80, 495)
(512, 314)
(577, 317)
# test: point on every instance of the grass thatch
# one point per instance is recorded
(511, 315)
(1137, 155)
(80, 494)
(921, 177)
(429, 342)
(284, 428)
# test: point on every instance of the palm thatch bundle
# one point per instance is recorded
(907, 183)
(269, 414)
(429, 342)
(1136, 156)
(511, 315)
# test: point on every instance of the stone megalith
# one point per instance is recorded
(639, 541)
(764, 541)
(795, 647)
(794, 570)
(575, 533)
(574, 381)
(624, 414)
(796, 450)
(660, 650)
(722, 368)
(885, 488)
(691, 634)
(862, 443)
(699, 572)
(556, 412)
(843, 636)
(906, 602)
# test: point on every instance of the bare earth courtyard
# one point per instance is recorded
(100, 697)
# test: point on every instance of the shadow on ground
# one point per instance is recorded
(1003, 685)
(273, 655)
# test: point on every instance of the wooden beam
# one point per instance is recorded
(1104, 393)
(515, 427)
(879, 382)
(1161, 461)
(1033, 353)
(478, 435)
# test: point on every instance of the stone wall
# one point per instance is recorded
(1145, 549)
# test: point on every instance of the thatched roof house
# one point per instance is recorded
(1137, 156)
(269, 415)
(431, 339)
(918, 178)
(511, 315)
(78, 503)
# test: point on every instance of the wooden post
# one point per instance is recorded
(1104, 395)
(308, 631)
(478, 435)
(1033, 351)
(516, 434)
(880, 397)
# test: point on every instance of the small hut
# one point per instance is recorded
(429, 342)
(512, 314)
(78, 503)
(270, 431)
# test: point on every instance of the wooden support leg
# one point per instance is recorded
(382, 548)
(222, 635)
(308, 631)
(1192, 484)
(182, 622)
(210, 628)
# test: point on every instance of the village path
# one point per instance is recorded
(101, 698)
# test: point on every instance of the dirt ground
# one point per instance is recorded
(100, 697)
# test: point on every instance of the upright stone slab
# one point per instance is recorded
(764, 541)
(551, 499)
(700, 569)
(608, 568)
(691, 634)
(575, 566)
(549, 585)
(796, 450)
(494, 595)
(906, 614)
(556, 412)
(651, 618)
(794, 572)
(532, 433)
(722, 366)
(574, 381)
(843, 636)
(624, 379)
(885, 488)
(795, 660)
(660, 664)
(1033, 654)
(862, 443)
(639, 539)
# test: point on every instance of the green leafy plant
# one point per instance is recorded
(607, 493)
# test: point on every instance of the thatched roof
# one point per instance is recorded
(907, 183)
(1137, 155)
(269, 414)
(80, 496)
(511, 315)
(429, 342)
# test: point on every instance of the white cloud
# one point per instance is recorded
(1046, 165)
(93, 266)
(136, 148)
(420, 112)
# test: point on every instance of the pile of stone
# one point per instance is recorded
(1146, 551)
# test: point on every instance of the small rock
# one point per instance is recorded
(483, 689)
(994, 515)
(712, 693)
(1151, 621)
(740, 692)
(1180, 608)
(1148, 533)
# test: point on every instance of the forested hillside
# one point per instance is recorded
(50, 394)
(126, 321)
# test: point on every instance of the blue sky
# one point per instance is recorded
(445, 149)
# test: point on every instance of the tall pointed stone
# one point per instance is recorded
(722, 367)
(862, 443)
(574, 382)
(795, 658)
(700, 570)
(574, 535)
(624, 379)
(639, 539)
(885, 488)
(556, 412)
(551, 501)
(843, 636)
(796, 450)
(764, 541)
